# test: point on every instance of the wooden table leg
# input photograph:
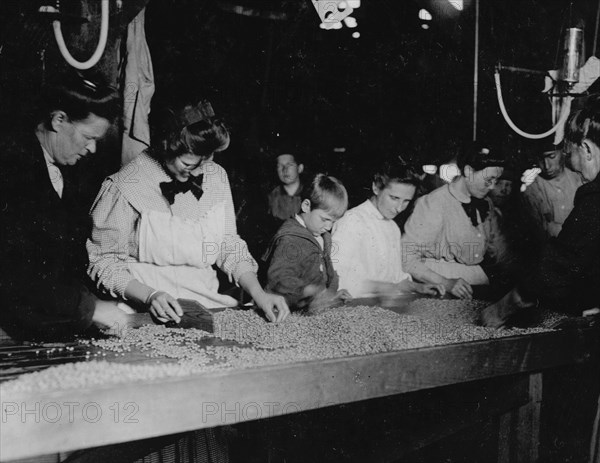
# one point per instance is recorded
(519, 430)
(528, 422)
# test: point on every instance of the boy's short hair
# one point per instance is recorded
(287, 146)
(296, 157)
(546, 148)
(327, 193)
(288, 151)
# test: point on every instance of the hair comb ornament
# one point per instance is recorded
(191, 114)
(86, 82)
(93, 84)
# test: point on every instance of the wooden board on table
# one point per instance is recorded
(195, 315)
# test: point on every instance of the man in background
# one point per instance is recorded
(549, 200)
(285, 198)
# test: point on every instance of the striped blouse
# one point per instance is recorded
(116, 213)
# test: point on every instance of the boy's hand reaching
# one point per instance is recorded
(324, 298)
(273, 305)
(387, 293)
(343, 295)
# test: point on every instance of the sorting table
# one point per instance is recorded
(64, 420)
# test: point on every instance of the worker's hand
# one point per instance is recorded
(529, 177)
(429, 289)
(109, 317)
(496, 315)
(319, 298)
(384, 289)
(324, 299)
(343, 295)
(388, 293)
(165, 307)
(273, 305)
(458, 288)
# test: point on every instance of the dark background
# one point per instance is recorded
(277, 78)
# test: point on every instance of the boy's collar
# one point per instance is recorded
(300, 220)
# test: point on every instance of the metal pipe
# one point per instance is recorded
(522, 70)
(476, 70)
(596, 29)
(99, 48)
(532, 136)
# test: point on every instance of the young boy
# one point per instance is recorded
(299, 256)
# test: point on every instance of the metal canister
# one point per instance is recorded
(573, 55)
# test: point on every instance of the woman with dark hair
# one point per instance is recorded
(367, 252)
(164, 219)
(453, 228)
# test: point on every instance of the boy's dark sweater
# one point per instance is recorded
(295, 260)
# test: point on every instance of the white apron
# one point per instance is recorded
(176, 255)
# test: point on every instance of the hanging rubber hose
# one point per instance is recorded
(99, 49)
(536, 136)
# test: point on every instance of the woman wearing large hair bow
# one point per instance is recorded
(165, 218)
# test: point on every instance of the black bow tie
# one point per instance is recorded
(174, 187)
(475, 205)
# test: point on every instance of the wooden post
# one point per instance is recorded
(528, 424)
(504, 437)
(519, 430)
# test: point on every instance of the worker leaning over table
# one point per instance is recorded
(367, 253)
(454, 228)
(567, 276)
(43, 221)
(164, 220)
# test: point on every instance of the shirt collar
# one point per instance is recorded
(372, 210)
(298, 191)
(458, 189)
(158, 173)
(47, 156)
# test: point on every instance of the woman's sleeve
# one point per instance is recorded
(346, 254)
(234, 257)
(114, 221)
(423, 230)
